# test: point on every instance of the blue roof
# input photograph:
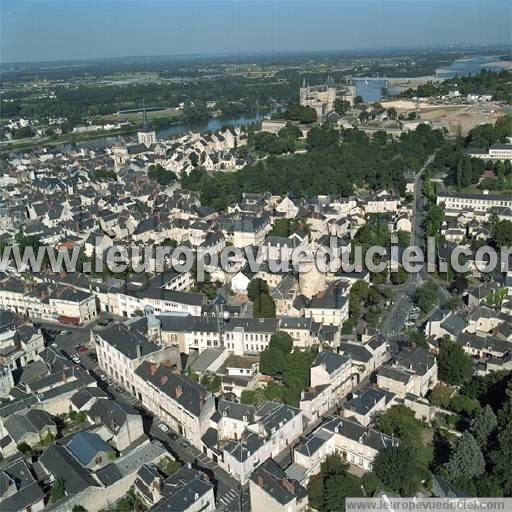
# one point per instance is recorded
(85, 445)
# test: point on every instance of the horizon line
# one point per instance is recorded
(254, 53)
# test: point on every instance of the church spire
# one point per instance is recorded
(145, 123)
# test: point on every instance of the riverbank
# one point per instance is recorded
(93, 140)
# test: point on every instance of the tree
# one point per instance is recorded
(392, 113)
(282, 341)
(426, 297)
(316, 491)
(501, 458)
(160, 175)
(321, 137)
(300, 113)
(466, 460)
(337, 488)
(168, 466)
(417, 338)
(400, 276)
(271, 362)
(58, 490)
(24, 448)
(441, 395)
(264, 306)
(358, 100)
(501, 233)
(328, 489)
(370, 483)
(341, 106)
(248, 397)
(211, 382)
(290, 131)
(400, 421)
(455, 366)
(396, 468)
(482, 425)
(78, 508)
(255, 288)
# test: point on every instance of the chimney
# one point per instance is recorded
(176, 371)
(97, 420)
(153, 368)
(113, 424)
(178, 390)
(288, 485)
(319, 294)
(206, 478)
(260, 481)
(139, 350)
(164, 379)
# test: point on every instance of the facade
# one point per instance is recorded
(331, 380)
(181, 403)
(472, 202)
(318, 97)
(273, 491)
(495, 152)
(146, 135)
(274, 428)
(357, 444)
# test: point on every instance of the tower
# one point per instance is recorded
(146, 135)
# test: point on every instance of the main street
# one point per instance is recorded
(227, 489)
(397, 315)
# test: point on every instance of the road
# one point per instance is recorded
(227, 489)
(403, 301)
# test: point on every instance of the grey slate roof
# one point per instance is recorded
(273, 480)
(189, 394)
(86, 445)
(126, 341)
(331, 361)
(182, 489)
(57, 460)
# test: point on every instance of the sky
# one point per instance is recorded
(47, 30)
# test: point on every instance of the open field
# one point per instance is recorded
(456, 118)
(462, 118)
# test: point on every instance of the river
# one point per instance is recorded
(370, 91)
(213, 124)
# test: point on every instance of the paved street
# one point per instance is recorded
(397, 315)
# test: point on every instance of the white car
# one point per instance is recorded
(54, 345)
(103, 377)
(163, 427)
(76, 360)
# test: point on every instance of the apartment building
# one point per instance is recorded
(273, 491)
(121, 349)
(180, 402)
(275, 427)
(473, 202)
(330, 377)
(357, 444)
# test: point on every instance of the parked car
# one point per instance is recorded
(76, 360)
(103, 377)
(83, 348)
(64, 333)
(163, 427)
(54, 345)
